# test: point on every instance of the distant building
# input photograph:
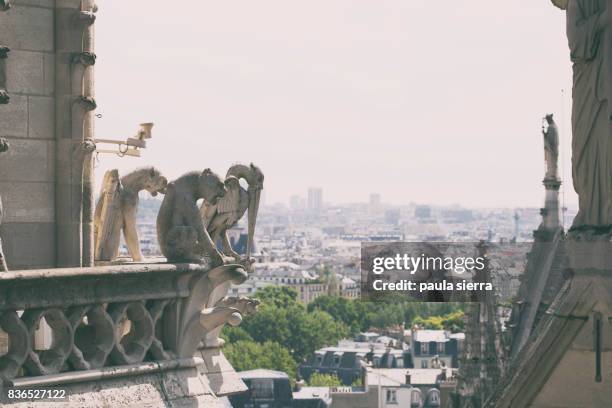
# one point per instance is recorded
(272, 389)
(422, 212)
(392, 217)
(238, 240)
(435, 347)
(348, 288)
(458, 215)
(315, 199)
(348, 358)
(307, 285)
(397, 387)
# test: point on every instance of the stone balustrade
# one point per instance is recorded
(112, 319)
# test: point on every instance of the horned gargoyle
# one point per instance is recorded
(244, 305)
(4, 146)
(117, 209)
(226, 213)
(180, 231)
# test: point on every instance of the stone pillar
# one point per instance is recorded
(550, 212)
(27, 122)
(74, 130)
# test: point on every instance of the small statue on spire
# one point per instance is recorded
(551, 147)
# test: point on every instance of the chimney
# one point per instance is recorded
(408, 378)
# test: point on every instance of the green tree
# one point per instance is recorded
(341, 309)
(453, 322)
(233, 334)
(324, 380)
(279, 296)
(311, 331)
(249, 355)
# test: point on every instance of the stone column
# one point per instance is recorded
(74, 130)
(550, 212)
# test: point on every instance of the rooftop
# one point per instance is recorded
(261, 373)
(391, 377)
(425, 336)
(313, 393)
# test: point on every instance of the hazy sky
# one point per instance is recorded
(418, 100)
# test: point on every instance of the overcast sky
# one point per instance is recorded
(418, 100)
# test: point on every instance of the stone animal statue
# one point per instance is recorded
(117, 209)
(226, 213)
(3, 268)
(180, 231)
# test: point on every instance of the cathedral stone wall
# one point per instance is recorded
(27, 121)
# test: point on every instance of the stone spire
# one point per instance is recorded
(544, 273)
(483, 358)
(552, 182)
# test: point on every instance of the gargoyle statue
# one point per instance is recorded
(244, 305)
(180, 231)
(117, 209)
(3, 268)
(226, 213)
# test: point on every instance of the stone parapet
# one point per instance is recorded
(111, 330)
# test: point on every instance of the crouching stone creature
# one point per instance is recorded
(180, 231)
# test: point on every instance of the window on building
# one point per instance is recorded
(434, 397)
(262, 389)
(391, 397)
(424, 364)
(415, 397)
(424, 348)
(319, 359)
(336, 360)
(441, 348)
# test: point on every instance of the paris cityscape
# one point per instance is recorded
(312, 204)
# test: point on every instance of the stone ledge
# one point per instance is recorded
(163, 384)
(81, 286)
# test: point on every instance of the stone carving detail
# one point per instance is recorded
(134, 339)
(4, 96)
(180, 230)
(226, 213)
(85, 59)
(100, 317)
(94, 336)
(244, 305)
(123, 333)
(590, 41)
(117, 209)
(19, 345)
(199, 316)
(48, 361)
(3, 268)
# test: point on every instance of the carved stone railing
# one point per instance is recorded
(111, 316)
